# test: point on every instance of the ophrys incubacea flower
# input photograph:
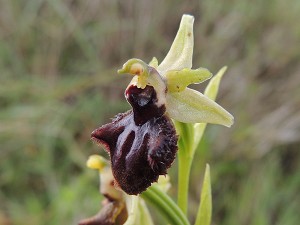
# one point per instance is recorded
(142, 142)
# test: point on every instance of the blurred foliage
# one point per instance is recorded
(58, 81)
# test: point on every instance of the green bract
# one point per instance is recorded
(172, 76)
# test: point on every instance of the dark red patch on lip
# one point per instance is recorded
(142, 142)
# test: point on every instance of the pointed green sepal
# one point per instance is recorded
(190, 106)
(205, 208)
(180, 54)
(178, 80)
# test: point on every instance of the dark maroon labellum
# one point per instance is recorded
(142, 142)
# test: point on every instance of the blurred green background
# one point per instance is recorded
(58, 82)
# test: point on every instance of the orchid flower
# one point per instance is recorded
(142, 142)
(171, 78)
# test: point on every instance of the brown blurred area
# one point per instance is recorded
(58, 81)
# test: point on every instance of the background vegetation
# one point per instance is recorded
(58, 81)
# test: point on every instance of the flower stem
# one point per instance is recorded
(185, 163)
(185, 158)
(165, 205)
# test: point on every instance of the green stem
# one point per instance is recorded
(185, 144)
(165, 205)
(184, 168)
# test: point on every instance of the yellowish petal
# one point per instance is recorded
(178, 80)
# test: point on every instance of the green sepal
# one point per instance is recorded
(180, 54)
(178, 80)
(190, 106)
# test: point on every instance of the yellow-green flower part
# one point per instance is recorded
(171, 77)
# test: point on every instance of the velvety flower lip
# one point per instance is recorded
(141, 142)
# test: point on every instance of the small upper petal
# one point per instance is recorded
(178, 80)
